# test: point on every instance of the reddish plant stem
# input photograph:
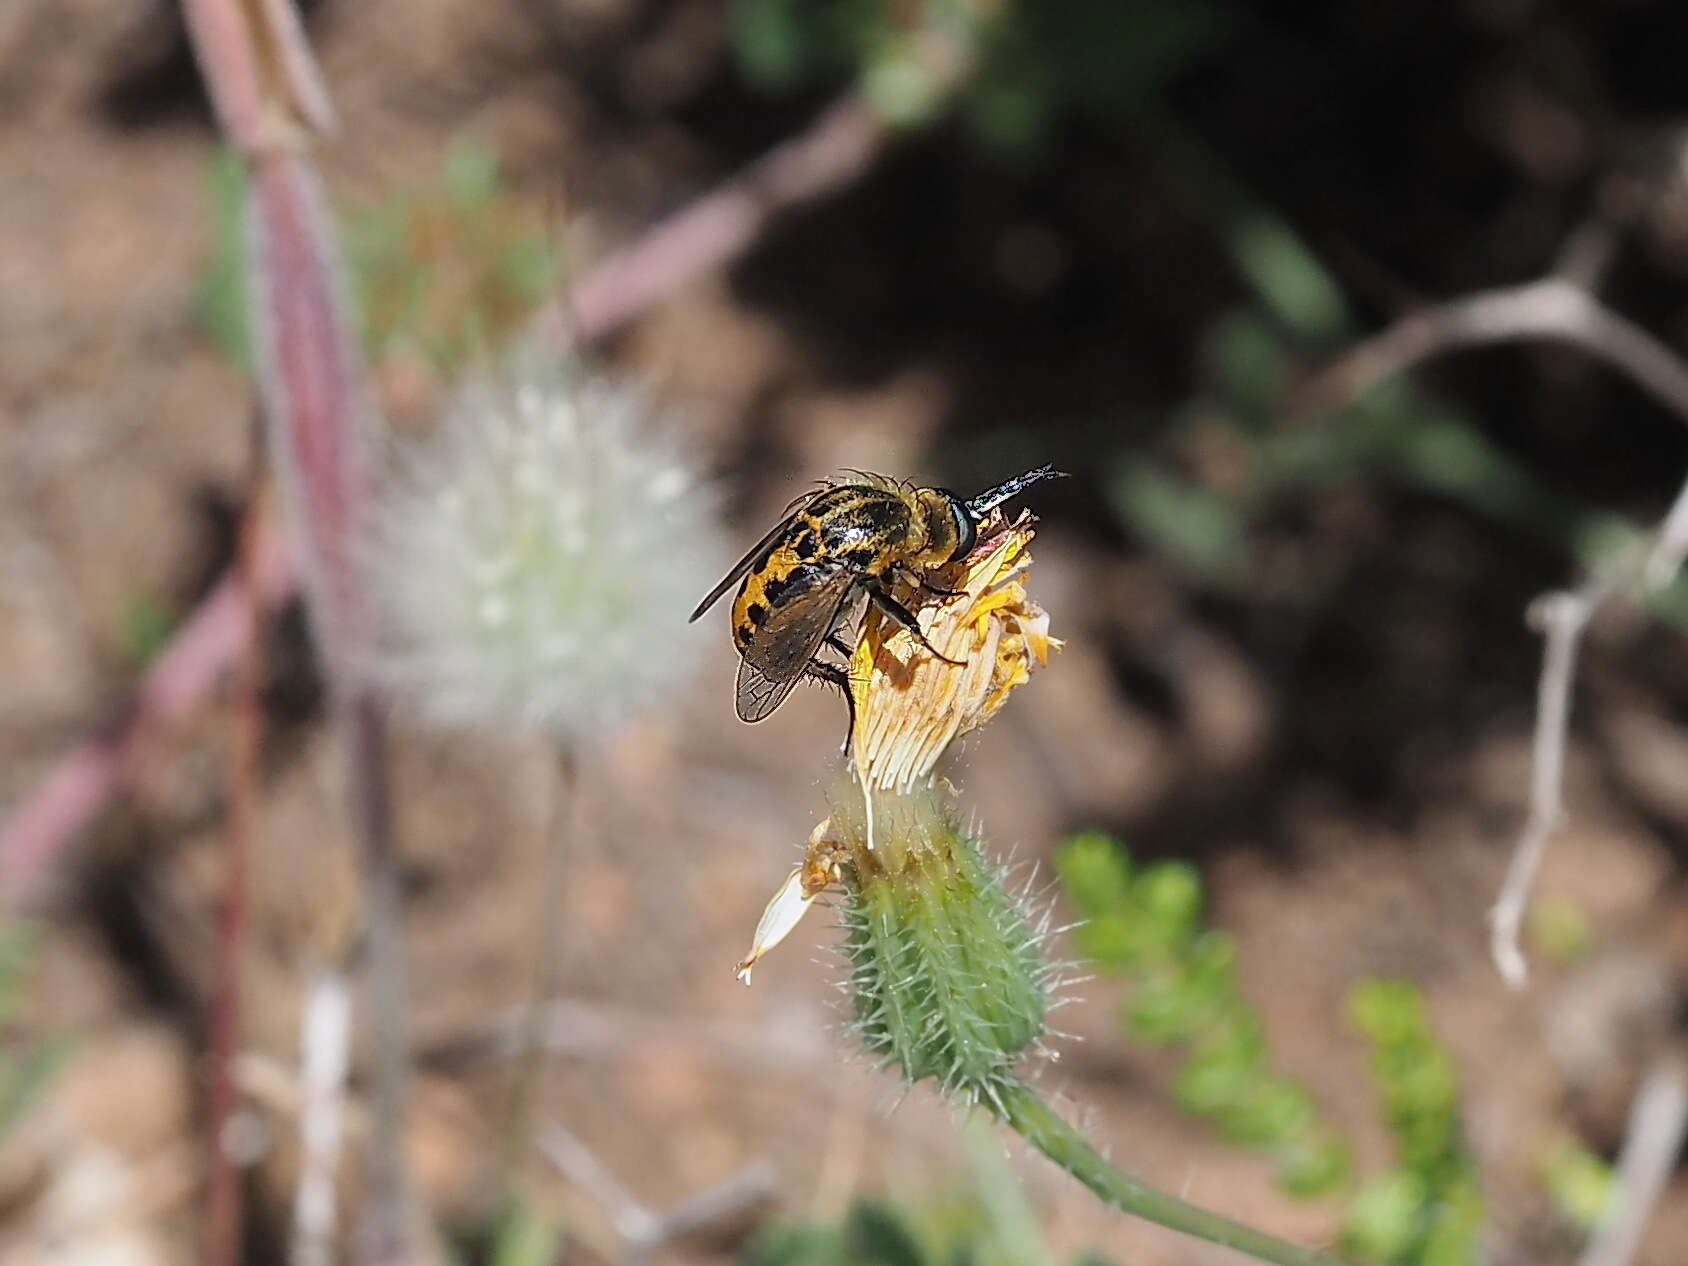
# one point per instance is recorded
(223, 1194)
(363, 723)
(80, 782)
(700, 236)
(312, 383)
(721, 224)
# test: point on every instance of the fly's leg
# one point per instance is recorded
(832, 675)
(924, 581)
(881, 597)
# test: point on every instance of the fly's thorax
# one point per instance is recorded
(864, 527)
(946, 529)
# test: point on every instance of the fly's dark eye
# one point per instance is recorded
(966, 531)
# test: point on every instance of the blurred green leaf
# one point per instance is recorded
(1579, 1182)
(1384, 1219)
(1095, 873)
(24, 1067)
(879, 1234)
(220, 302)
(1248, 361)
(471, 176)
(1313, 1163)
(1427, 1211)
(526, 1236)
(1170, 893)
(1559, 930)
(147, 625)
(774, 41)
(1190, 524)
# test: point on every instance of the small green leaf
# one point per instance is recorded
(877, 1235)
(1384, 1219)
(526, 1236)
(1579, 1182)
(1193, 525)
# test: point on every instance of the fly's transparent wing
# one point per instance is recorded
(756, 551)
(777, 656)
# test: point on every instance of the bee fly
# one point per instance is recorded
(853, 535)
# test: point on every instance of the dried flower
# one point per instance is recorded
(533, 563)
(911, 706)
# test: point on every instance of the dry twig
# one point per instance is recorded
(1554, 309)
(324, 1051)
(643, 1230)
(223, 1206)
(1658, 1122)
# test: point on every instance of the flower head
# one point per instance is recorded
(533, 563)
(910, 706)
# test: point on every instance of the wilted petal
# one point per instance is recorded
(911, 706)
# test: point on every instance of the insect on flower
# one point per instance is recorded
(850, 536)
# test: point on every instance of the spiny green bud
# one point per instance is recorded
(948, 978)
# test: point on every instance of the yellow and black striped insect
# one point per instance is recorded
(848, 537)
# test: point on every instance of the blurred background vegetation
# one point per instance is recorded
(1276, 772)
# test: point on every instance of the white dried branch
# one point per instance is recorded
(575, 1161)
(1658, 1122)
(1555, 309)
(1551, 309)
(754, 1186)
(324, 1058)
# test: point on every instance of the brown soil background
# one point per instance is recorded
(1346, 769)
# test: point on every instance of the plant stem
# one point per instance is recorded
(387, 1208)
(528, 1084)
(223, 1194)
(1027, 1114)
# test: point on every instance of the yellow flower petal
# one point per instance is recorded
(910, 706)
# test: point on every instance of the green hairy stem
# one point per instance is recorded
(1028, 1115)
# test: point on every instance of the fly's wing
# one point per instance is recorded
(779, 653)
(756, 551)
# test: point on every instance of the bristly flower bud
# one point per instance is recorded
(534, 560)
(947, 974)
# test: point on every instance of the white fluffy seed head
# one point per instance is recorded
(534, 561)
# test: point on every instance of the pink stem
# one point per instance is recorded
(77, 787)
(700, 236)
(223, 1203)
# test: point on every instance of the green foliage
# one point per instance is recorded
(1395, 433)
(526, 1235)
(1559, 930)
(146, 627)
(453, 268)
(1199, 528)
(1144, 923)
(24, 1066)
(447, 270)
(1428, 1210)
(965, 1229)
(1579, 1182)
(220, 300)
(1032, 64)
